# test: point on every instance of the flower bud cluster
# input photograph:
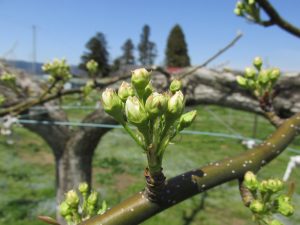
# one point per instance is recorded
(59, 70)
(248, 9)
(158, 117)
(267, 198)
(8, 79)
(92, 67)
(260, 81)
(2, 99)
(78, 207)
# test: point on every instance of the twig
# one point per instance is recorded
(276, 19)
(220, 52)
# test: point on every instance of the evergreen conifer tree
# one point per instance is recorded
(147, 48)
(177, 52)
(97, 50)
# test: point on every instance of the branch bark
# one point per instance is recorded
(276, 19)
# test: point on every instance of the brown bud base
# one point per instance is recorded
(155, 186)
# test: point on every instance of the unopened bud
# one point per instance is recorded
(238, 12)
(112, 104)
(64, 209)
(92, 199)
(257, 62)
(274, 185)
(156, 104)
(240, 5)
(92, 67)
(250, 72)
(72, 199)
(241, 81)
(125, 90)
(274, 74)
(140, 78)
(250, 181)
(83, 188)
(283, 205)
(263, 77)
(256, 206)
(176, 104)
(176, 85)
(275, 222)
(186, 120)
(263, 186)
(135, 111)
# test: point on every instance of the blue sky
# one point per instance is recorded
(64, 26)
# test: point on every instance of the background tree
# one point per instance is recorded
(97, 50)
(128, 54)
(147, 48)
(177, 52)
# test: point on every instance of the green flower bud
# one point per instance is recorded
(83, 188)
(140, 78)
(92, 199)
(263, 77)
(92, 67)
(251, 84)
(257, 62)
(240, 5)
(156, 104)
(148, 91)
(250, 181)
(58, 69)
(256, 206)
(125, 90)
(8, 78)
(176, 104)
(283, 205)
(186, 120)
(72, 199)
(64, 209)
(241, 81)
(135, 111)
(263, 186)
(250, 72)
(176, 85)
(274, 74)
(250, 2)
(112, 104)
(275, 222)
(238, 12)
(274, 185)
(2, 99)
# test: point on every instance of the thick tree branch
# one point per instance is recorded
(275, 18)
(138, 208)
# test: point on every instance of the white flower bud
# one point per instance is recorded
(135, 111)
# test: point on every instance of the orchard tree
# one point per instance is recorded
(97, 51)
(128, 53)
(147, 48)
(177, 52)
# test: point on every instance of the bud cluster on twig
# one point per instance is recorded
(58, 70)
(248, 9)
(158, 117)
(267, 199)
(76, 208)
(260, 81)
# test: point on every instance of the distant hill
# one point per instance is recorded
(27, 67)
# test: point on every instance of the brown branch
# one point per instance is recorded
(138, 208)
(275, 18)
(220, 52)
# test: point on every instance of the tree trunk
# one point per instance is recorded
(71, 169)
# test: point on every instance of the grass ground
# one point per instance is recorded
(27, 171)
